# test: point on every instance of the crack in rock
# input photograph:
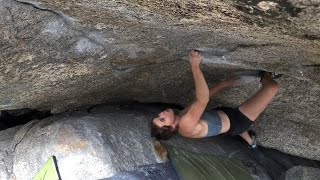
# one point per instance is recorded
(18, 138)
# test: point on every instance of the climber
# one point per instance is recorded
(195, 122)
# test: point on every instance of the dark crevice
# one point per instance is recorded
(255, 45)
(11, 118)
(311, 37)
(138, 105)
(39, 8)
(310, 65)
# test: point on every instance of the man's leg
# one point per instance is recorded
(245, 135)
(258, 102)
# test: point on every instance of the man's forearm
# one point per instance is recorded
(201, 87)
(216, 89)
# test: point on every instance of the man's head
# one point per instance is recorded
(165, 118)
(163, 127)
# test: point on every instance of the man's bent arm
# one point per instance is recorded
(224, 84)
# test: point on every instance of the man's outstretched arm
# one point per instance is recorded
(224, 84)
(201, 87)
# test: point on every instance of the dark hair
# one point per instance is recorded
(162, 133)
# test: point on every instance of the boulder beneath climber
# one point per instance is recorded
(86, 146)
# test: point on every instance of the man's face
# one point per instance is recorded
(165, 118)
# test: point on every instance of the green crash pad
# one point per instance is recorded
(48, 171)
(195, 166)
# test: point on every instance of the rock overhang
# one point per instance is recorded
(62, 55)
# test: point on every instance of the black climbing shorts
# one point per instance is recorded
(238, 121)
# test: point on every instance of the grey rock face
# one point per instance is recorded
(87, 146)
(302, 173)
(6, 152)
(62, 55)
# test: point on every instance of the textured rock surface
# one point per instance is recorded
(6, 152)
(14, 118)
(61, 55)
(87, 146)
(302, 173)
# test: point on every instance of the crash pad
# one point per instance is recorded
(48, 171)
(190, 166)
